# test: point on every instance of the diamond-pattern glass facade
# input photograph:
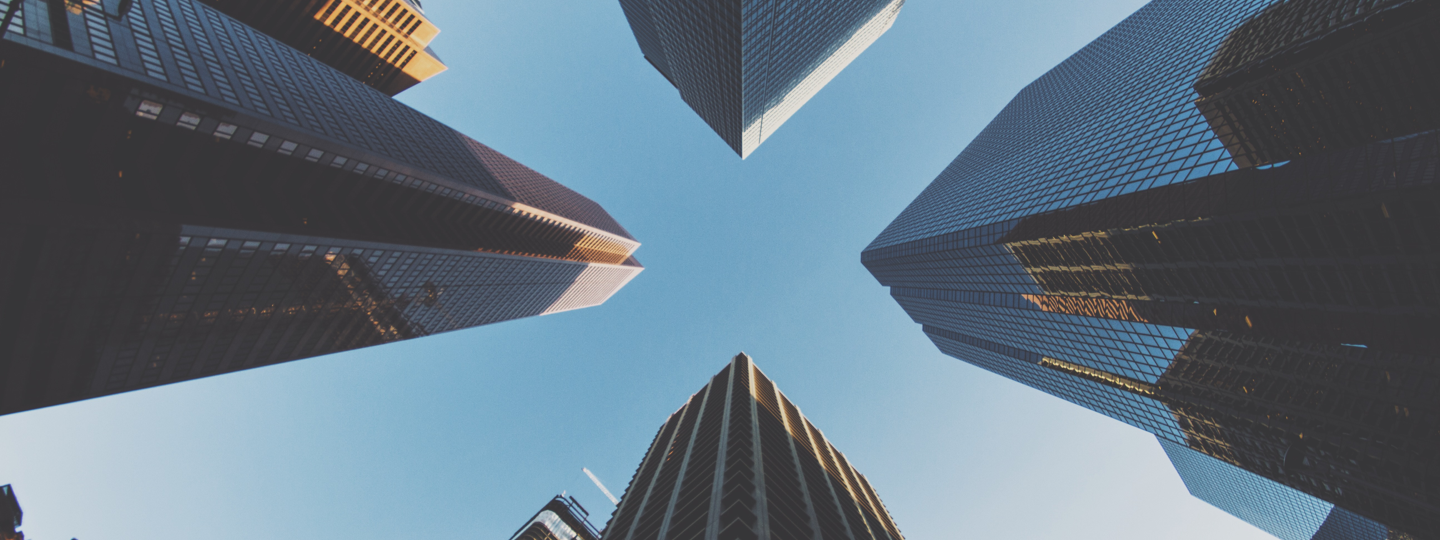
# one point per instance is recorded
(1098, 241)
(187, 197)
(746, 66)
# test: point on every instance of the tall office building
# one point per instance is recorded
(1215, 223)
(10, 515)
(559, 519)
(739, 461)
(185, 196)
(745, 66)
(1273, 508)
(382, 43)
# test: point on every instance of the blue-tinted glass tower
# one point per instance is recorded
(1282, 511)
(1215, 223)
(746, 66)
(185, 196)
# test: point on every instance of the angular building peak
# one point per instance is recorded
(739, 461)
(1214, 223)
(746, 66)
(189, 196)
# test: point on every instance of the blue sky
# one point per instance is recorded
(466, 434)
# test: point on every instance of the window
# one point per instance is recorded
(338, 162)
(225, 131)
(188, 120)
(149, 110)
(314, 155)
(258, 139)
(287, 148)
(360, 168)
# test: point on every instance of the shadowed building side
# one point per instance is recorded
(160, 228)
(1098, 242)
(740, 461)
(1306, 77)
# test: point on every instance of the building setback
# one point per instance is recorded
(739, 461)
(559, 519)
(186, 196)
(1215, 223)
(1273, 508)
(382, 43)
(745, 66)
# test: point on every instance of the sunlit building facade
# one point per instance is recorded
(746, 66)
(560, 519)
(739, 461)
(179, 207)
(382, 43)
(1214, 223)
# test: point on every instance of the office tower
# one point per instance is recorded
(739, 461)
(1204, 225)
(559, 519)
(10, 515)
(185, 196)
(745, 66)
(382, 43)
(1273, 508)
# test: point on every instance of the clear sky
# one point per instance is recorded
(466, 434)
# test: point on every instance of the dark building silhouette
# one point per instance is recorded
(1110, 239)
(746, 66)
(560, 519)
(382, 43)
(186, 196)
(1302, 78)
(740, 461)
(10, 515)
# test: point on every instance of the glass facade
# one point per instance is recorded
(746, 67)
(739, 461)
(1142, 233)
(1276, 509)
(189, 197)
(560, 519)
(382, 43)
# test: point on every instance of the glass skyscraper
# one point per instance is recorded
(739, 461)
(1276, 509)
(382, 43)
(746, 66)
(1215, 223)
(559, 519)
(186, 196)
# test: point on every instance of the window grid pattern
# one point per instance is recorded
(746, 67)
(739, 461)
(1088, 129)
(324, 104)
(1273, 508)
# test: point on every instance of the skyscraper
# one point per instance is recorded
(382, 43)
(745, 66)
(1214, 223)
(1276, 509)
(739, 461)
(559, 519)
(185, 196)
